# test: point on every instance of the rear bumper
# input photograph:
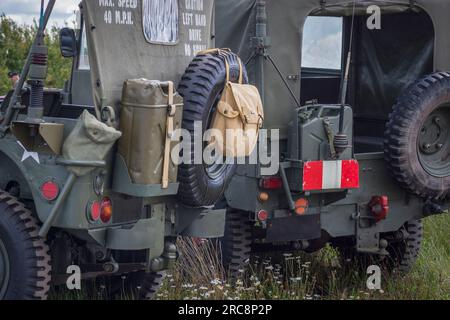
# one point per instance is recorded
(144, 234)
(150, 233)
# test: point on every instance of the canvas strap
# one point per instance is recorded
(227, 68)
(169, 132)
(330, 136)
(224, 53)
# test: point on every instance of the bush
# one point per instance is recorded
(15, 42)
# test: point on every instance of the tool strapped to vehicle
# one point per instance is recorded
(330, 137)
(239, 114)
(169, 132)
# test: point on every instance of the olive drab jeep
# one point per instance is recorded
(87, 177)
(357, 107)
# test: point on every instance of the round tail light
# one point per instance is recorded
(49, 190)
(301, 205)
(94, 211)
(106, 210)
(262, 215)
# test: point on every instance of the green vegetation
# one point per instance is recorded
(317, 276)
(322, 275)
(15, 42)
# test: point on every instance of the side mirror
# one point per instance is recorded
(68, 42)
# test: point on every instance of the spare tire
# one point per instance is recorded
(201, 87)
(417, 137)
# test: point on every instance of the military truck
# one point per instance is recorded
(86, 181)
(359, 94)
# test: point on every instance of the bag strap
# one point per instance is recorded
(227, 68)
(169, 132)
(241, 71)
(217, 51)
(223, 53)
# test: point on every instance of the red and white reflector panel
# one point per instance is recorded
(327, 175)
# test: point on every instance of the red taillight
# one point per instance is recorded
(106, 210)
(379, 206)
(49, 190)
(94, 211)
(271, 183)
(327, 175)
(100, 210)
(262, 215)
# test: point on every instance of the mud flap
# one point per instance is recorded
(201, 223)
(293, 228)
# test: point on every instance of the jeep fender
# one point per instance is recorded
(28, 174)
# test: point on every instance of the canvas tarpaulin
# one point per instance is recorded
(121, 50)
(387, 61)
(235, 26)
(232, 30)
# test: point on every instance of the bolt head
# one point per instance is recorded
(383, 243)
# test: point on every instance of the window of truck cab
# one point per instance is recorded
(160, 21)
(322, 44)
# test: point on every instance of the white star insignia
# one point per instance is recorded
(26, 154)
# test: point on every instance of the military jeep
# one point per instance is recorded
(71, 197)
(357, 94)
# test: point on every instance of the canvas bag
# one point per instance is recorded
(90, 140)
(238, 117)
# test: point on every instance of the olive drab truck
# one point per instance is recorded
(87, 177)
(356, 100)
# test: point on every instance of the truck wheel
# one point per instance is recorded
(236, 242)
(25, 270)
(417, 137)
(402, 253)
(201, 87)
(150, 284)
(146, 285)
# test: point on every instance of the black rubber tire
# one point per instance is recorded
(401, 147)
(144, 285)
(201, 87)
(402, 253)
(150, 285)
(236, 242)
(28, 254)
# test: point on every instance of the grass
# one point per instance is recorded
(198, 275)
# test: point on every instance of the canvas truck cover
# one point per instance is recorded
(152, 39)
(235, 26)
